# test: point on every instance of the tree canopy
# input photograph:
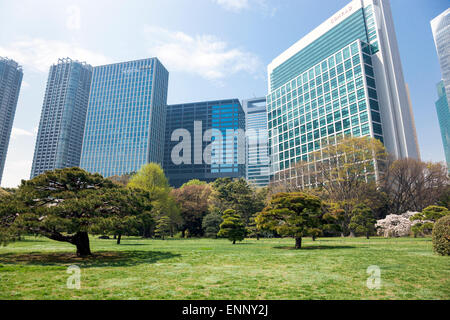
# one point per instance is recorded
(211, 224)
(363, 220)
(238, 195)
(151, 178)
(192, 200)
(291, 214)
(232, 226)
(193, 182)
(66, 204)
(424, 221)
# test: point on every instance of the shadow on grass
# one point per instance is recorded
(98, 259)
(32, 240)
(314, 248)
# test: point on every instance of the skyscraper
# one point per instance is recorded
(343, 78)
(443, 111)
(60, 135)
(258, 162)
(10, 81)
(441, 32)
(126, 117)
(212, 148)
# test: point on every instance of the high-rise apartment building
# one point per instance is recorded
(344, 78)
(60, 135)
(258, 161)
(441, 32)
(10, 81)
(126, 117)
(205, 141)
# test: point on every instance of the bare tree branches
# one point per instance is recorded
(414, 185)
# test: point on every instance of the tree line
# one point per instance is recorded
(341, 191)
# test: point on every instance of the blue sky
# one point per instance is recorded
(213, 49)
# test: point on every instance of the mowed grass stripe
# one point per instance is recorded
(331, 268)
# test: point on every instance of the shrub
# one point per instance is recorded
(211, 224)
(423, 222)
(441, 236)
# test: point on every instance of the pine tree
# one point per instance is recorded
(232, 226)
(291, 214)
(362, 221)
(162, 227)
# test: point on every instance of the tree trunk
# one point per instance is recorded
(81, 240)
(234, 241)
(367, 235)
(146, 234)
(115, 236)
(352, 234)
(119, 238)
(313, 238)
(183, 233)
(257, 237)
(298, 243)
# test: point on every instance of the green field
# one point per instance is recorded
(215, 269)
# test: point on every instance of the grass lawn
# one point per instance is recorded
(215, 269)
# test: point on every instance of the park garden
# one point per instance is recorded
(314, 233)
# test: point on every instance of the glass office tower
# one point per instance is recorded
(258, 162)
(441, 32)
(60, 135)
(213, 147)
(344, 78)
(443, 111)
(126, 117)
(10, 81)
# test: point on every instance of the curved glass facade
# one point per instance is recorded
(10, 81)
(443, 112)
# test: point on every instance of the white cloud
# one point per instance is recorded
(74, 18)
(40, 54)
(19, 157)
(203, 55)
(241, 5)
(233, 5)
(15, 171)
(17, 132)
